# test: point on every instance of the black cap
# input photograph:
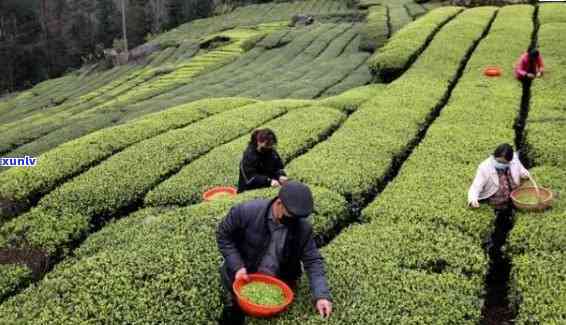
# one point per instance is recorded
(297, 199)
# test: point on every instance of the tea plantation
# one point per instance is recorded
(381, 106)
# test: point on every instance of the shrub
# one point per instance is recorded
(399, 274)
(296, 132)
(410, 255)
(156, 266)
(536, 243)
(358, 155)
(375, 32)
(22, 185)
(352, 99)
(12, 277)
(404, 47)
(67, 213)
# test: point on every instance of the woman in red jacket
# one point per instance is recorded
(529, 66)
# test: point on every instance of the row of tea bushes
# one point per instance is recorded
(536, 244)
(359, 154)
(19, 186)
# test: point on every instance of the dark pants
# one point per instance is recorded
(231, 313)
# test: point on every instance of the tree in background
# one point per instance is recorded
(42, 39)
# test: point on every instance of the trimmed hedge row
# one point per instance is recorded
(394, 274)
(184, 73)
(155, 266)
(294, 64)
(68, 212)
(536, 243)
(398, 15)
(411, 267)
(415, 10)
(296, 132)
(352, 99)
(11, 276)
(290, 74)
(436, 177)
(404, 47)
(252, 15)
(328, 75)
(545, 124)
(104, 111)
(35, 98)
(34, 126)
(540, 287)
(358, 77)
(358, 155)
(374, 33)
(365, 4)
(20, 186)
(552, 13)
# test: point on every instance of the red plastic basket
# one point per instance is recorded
(213, 192)
(256, 310)
(492, 71)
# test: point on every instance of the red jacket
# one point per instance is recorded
(522, 66)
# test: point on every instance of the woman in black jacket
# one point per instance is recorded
(261, 165)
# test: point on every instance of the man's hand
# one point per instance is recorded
(539, 74)
(474, 204)
(283, 180)
(530, 75)
(275, 183)
(324, 307)
(242, 274)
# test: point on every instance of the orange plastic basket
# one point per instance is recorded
(220, 191)
(492, 71)
(262, 311)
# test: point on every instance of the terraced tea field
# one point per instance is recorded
(380, 106)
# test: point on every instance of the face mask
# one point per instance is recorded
(501, 166)
(266, 150)
(287, 221)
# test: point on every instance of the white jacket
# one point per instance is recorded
(486, 182)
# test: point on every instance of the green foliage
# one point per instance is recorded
(67, 213)
(420, 257)
(545, 124)
(536, 243)
(540, 280)
(105, 105)
(252, 41)
(11, 277)
(155, 266)
(426, 175)
(398, 15)
(415, 10)
(401, 273)
(360, 76)
(552, 13)
(359, 154)
(20, 185)
(263, 294)
(375, 32)
(365, 4)
(405, 46)
(296, 132)
(351, 100)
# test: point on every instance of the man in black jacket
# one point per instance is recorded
(271, 237)
(261, 165)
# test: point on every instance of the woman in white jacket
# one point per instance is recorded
(496, 178)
